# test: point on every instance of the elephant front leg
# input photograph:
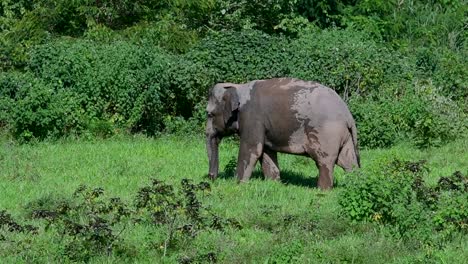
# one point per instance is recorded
(248, 156)
(270, 164)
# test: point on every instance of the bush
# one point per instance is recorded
(376, 128)
(10, 83)
(166, 33)
(345, 60)
(242, 56)
(452, 214)
(419, 112)
(440, 122)
(444, 67)
(189, 82)
(395, 194)
(35, 109)
(450, 74)
(373, 196)
(90, 224)
(121, 83)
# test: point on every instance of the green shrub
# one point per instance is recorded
(418, 112)
(396, 195)
(90, 224)
(241, 56)
(121, 83)
(35, 109)
(9, 86)
(167, 33)
(450, 74)
(47, 113)
(444, 67)
(86, 85)
(440, 120)
(189, 82)
(374, 196)
(452, 213)
(376, 128)
(345, 60)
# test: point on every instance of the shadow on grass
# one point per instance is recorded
(287, 177)
(298, 179)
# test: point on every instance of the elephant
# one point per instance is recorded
(285, 115)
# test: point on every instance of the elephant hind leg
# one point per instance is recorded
(270, 164)
(323, 148)
(325, 180)
(325, 164)
(347, 158)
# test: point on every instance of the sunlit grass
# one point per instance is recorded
(316, 233)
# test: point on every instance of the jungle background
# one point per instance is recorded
(113, 93)
(104, 67)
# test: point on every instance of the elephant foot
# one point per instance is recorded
(270, 167)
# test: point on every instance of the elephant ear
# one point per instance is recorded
(231, 102)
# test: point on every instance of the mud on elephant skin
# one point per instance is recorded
(281, 115)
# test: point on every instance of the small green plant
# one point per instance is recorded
(289, 252)
(209, 257)
(230, 168)
(9, 225)
(101, 128)
(452, 214)
(180, 211)
(89, 224)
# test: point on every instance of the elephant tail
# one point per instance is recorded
(353, 130)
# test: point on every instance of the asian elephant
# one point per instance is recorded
(281, 115)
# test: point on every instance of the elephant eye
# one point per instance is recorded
(209, 114)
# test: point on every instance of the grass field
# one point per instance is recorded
(283, 222)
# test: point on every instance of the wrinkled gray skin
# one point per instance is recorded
(281, 115)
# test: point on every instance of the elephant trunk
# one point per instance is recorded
(212, 143)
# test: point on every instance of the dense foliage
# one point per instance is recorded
(100, 67)
(397, 195)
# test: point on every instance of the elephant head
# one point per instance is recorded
(222, 120)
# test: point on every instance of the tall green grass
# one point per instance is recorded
(282, 222)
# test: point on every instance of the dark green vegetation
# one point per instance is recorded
(126, 200)
(397, 195)
(97, 68)
(74, 72)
